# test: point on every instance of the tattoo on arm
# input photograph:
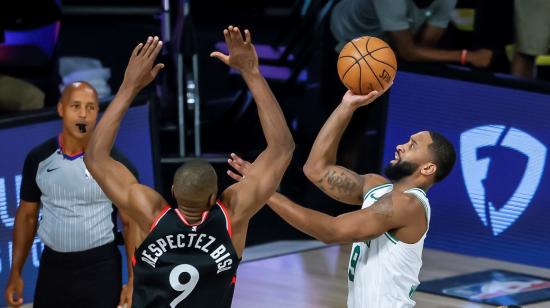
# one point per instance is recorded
(384, 206)
(342, 182)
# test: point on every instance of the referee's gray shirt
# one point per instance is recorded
(76, 214)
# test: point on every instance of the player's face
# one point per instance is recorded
(409, 156)
(79, 111)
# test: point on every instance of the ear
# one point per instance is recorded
(172, 190)
(428, 169)
(60, 109)
(212, 199)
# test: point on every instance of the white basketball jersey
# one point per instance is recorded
(383, 272)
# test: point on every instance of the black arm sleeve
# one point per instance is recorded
(29, 188)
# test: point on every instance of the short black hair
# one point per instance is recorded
(195, 181)
(444, 155)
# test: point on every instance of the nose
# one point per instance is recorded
(82, 112)
(399, 148)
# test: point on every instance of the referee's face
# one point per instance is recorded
(79, 108)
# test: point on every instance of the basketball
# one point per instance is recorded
(366, 64)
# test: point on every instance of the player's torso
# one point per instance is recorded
(179, 265)
(383, 272)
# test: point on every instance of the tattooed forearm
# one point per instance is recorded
(341, 182)
(384, 206)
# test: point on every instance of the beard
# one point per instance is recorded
(400, 170)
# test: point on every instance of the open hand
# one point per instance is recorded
(355, 101)
(242, 54)
(240, 165)
(141, 69)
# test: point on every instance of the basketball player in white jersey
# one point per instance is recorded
(388, 231)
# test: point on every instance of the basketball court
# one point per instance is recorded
(317, 276)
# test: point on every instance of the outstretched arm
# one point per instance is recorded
(119, 184)
(391, 212)
(246, 197)
(336, 181)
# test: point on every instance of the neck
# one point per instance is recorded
(71, 145)
(192, 214)
(409, 182)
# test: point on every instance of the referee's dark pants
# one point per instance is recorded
(90, 278)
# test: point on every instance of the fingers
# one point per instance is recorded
(234, 176)
(222, 57)
(227, 37)
(236, 35)
(236, 158)
(156, 50)
(125, 300)
(248, 36)
(156, 69)
(154, 45)
(146, 46)
(122, 299)
(137, 49)
(12, 301)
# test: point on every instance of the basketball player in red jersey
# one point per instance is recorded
(189, 254)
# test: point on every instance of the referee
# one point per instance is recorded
(80, 265)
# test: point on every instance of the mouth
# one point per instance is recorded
(396, 159)
(82, 127)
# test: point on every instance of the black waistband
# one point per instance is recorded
(93, 255)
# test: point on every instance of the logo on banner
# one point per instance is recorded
(484, 146)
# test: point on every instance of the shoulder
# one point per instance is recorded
(373, 180)
(43, 150)
(408, 203)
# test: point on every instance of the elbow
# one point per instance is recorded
(329, 240)
(313, 171)
(289, 147)
(333, 238)
(286, 150)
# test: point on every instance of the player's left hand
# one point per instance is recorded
(141, 69)
(242, 54)
(126, 296)
(240, 165)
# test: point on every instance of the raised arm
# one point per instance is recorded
(246, 197)
(138, 201)
(336, 181)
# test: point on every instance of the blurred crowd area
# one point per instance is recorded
(202, 109)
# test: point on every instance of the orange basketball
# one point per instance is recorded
(366, 64)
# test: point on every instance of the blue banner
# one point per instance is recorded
(496, 201)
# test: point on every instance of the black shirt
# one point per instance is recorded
(183, 265)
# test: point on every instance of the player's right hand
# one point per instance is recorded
(240, 165)
(14, 290)
(141, 69)
(355, 101)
